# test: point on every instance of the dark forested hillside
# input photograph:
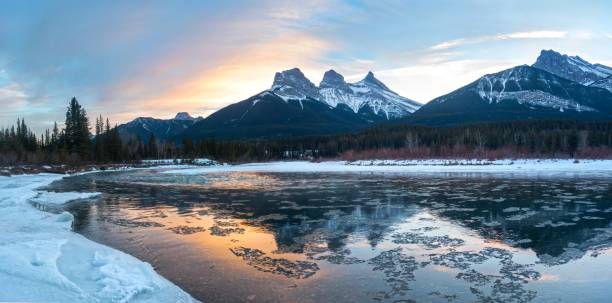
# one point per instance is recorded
(266, 115)
(493, 140)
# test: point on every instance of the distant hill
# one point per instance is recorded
(163, 129)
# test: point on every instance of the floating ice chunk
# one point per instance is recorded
(551, 224)
(491, 224)
(46, 197)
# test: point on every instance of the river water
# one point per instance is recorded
(358, 237)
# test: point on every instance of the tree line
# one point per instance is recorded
(75, 144)
(525, 139)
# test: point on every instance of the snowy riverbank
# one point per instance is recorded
(42, 260)
(602, 167)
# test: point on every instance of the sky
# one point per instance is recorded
(125, 59)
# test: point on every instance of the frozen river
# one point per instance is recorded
(244, 236)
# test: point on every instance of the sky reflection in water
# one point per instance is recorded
(359, 237)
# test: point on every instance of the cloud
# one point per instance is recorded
(11, 93)
(450, 44)
(235, 76)
(431, 78)
(125, 59)
(165, 58)
(230, 62)
(500, 37)
(233, 61)
(12, 96)
(532, 35)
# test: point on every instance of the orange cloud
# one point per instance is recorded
(218, 62)
(236, 76)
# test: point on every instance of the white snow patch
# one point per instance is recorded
(524, 166)
(603, 83)
(46, 197)
(42, 260)
(492, 88)
(197, 161)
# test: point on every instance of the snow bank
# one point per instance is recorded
(197, 161)
(419, 166)
(42, 260)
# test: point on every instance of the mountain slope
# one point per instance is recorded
(270, 115)
(603, 83)
(519, 93)
(572, 68)
(163, 129)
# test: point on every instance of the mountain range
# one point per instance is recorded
(556, 86)
(293, 106)
(369, 95)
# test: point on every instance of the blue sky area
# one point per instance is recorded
(125, 59)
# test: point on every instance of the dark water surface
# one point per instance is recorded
(359, 237)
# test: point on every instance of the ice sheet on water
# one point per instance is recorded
(291, 269)
(428, 242)
(340, 257)
(187, 230)
(42, 260)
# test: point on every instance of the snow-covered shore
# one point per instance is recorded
(527, 166)
(42, 260)
(196, 161)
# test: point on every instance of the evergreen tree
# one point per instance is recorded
(76, 131)
(152, 147)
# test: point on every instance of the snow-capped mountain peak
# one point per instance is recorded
(571, 67)
(292, 84)
(370, 79)
(183, 116)
(332, 79)
(368, 94)
(294, 78)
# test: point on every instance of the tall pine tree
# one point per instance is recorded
(76, 132)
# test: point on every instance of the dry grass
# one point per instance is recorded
(462, 152)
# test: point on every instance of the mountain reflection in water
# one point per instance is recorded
(323, 237)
